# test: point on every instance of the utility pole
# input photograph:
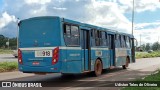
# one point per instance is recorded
(140, 40)
(158, 44)
(132, 16)
(17, 31)
(140, 43)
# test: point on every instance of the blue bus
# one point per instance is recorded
(50, 44)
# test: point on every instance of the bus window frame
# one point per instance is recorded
(65, 33)
(93, 43)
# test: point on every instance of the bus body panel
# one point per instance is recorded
(72, 62)
(121, 55)
(102, 53)
(39, 35)
(44, 63)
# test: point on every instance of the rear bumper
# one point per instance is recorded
(35, 69)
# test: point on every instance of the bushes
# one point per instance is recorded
(148, 55)
(8, 66)
(6, 51)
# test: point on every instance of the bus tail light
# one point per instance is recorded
(55, 55)
(19, 56)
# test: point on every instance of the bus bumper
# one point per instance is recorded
(34, 69)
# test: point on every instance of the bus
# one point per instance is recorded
(51, 44)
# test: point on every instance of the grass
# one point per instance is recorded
(152, 77)
(6, 51)
(8, 66)
(148, 55)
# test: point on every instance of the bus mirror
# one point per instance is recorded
(135, 42)
(19, 23)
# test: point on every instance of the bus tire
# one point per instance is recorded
(127, 63)
(66, 75)
(98, 67)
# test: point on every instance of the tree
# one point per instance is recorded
(148, 46)
(143, 47)
(3, 41)
(156, 46)
(12, 42)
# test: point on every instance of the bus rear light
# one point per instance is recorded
(55, 55)
(19, 56)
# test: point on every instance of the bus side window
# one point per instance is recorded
(122, 41)
(93, 37)
(74, 31)
(118, 41)
(67, 33)
(109, 43)
(75, 35)
(67, 29)
(71, 35)
(97, 35)
(127, 42)
(130, 42)
(104, 39)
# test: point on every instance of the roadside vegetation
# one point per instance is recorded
(147, 55)
(6, 51)
(8, 66)
(152, 77)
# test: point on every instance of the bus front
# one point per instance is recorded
(39, 41)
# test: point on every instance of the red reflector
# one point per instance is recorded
(55, 55)
(19, 56)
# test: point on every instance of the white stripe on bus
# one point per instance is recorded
(67, 48)
(93, 48)
(50, 48)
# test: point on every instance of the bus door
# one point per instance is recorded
(112, 49)
(85, 42)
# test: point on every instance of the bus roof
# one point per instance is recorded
(111, 31)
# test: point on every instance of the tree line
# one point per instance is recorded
(146, 47)
(12, 42)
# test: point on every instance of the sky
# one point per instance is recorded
(112, 14)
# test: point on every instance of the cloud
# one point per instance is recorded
(6, 19)
(37, 1)
(109, 14)
(144, 25)
(58, 8)
(143, 5)
(140, 5)
(147, 35)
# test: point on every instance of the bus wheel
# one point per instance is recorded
(127, 63)
(98, 67)
(66, 75)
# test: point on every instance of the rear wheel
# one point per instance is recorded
(66, 75)
(127, 63)
(98, 67)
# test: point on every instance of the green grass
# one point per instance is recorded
(6, 51)
(148, 55)
(8, 66)
(152, 77)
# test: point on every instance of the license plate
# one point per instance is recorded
(43, 53)
(35, 63)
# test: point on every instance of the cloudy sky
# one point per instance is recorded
(113, 14)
